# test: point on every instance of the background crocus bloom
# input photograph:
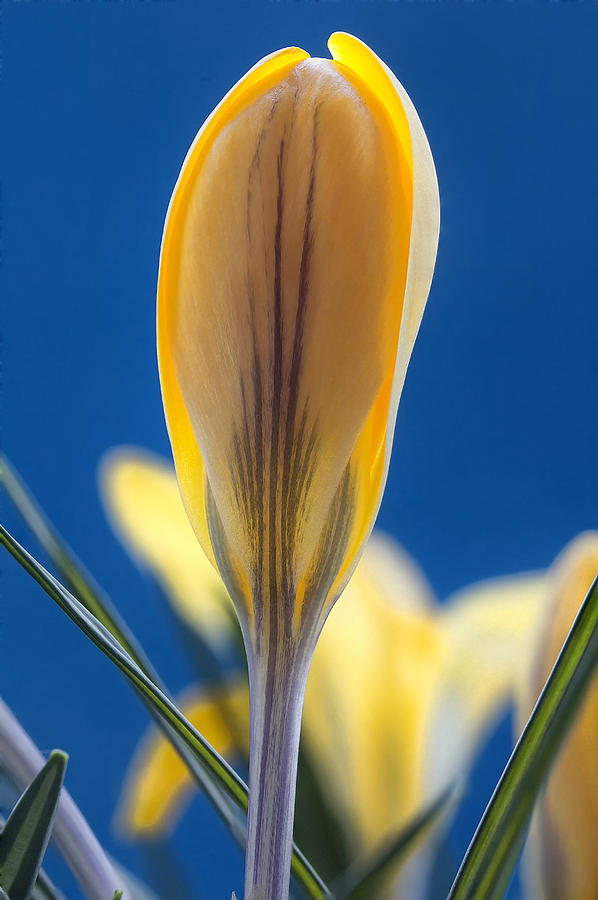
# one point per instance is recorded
(296, 261)
(143, 502)
(561, 853)
(400, 693)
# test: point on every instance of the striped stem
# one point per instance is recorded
(277, 689)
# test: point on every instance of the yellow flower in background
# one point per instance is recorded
(561, 859)
(400, 692)
(296, 261)
(403, 688)
(143, 502)
(158, 786)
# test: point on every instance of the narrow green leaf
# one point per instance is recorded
(45, 889)
(318, 827)
(362, 880)
(488, 864)
(96, 601)
(193, 748)
(117, 895)
(27, 831)
(73, 573)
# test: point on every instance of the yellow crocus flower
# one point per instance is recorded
(400, 693)
(296, 261)
(402, 688)
(561, 859)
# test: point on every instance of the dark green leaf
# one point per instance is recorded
(488, 864)
(362, 880)
(95, 600)
(27, 831)
(317, 827)
(222, 783)
(73, 573)
(45, 889)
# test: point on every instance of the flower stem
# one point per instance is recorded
(277, 689)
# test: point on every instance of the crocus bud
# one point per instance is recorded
(561, 859)
(296, 261)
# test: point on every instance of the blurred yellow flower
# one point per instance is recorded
(158, 785)
(143, 503)
(561, 858)
(296, 260)
(400, 692)
(402, 688)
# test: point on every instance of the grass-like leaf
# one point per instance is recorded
(96, 601)
(488, 864)
(364, 879)
(70, 569)
(196, 752)
(45, 889)
(27, 831)
(318, 827)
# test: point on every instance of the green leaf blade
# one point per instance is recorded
(25, 837)
(74, 574)
(363, 880)
(492, 855)
(222, 783)
(45, 889)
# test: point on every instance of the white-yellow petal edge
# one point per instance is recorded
(187, 457)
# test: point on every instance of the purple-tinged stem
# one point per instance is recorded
(276, 690)
(71, 833)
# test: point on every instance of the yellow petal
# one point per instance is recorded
(282, 350)
(562, 845)
(489, 629)
(372, 455)
(158, 784)
(187, 456)
(142, 500)
(401, 690)
(369, 692)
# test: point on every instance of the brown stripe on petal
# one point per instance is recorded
(227, 567)
(271, 498)
(332, 546)
(283, 333)
(291, 484)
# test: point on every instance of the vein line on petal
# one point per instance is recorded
(290, 482)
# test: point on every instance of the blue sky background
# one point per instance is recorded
(494, 467)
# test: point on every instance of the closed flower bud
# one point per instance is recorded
(296, 261)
